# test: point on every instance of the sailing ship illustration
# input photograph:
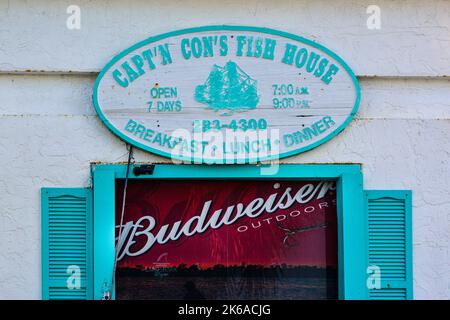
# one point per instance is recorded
(228, 87)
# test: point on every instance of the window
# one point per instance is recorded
(227, 239)
(373, 227)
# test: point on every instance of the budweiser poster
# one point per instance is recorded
(224, 239)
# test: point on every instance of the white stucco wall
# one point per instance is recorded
(49, 132)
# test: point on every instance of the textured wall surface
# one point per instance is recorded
(49, 132)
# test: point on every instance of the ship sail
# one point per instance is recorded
(228, 87)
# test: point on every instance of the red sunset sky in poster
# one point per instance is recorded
(249, 240)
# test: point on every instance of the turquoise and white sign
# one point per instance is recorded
(226, 94)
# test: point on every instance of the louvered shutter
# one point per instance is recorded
(390, 242)
(66, 243)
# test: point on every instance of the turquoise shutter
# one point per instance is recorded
(390, 242)
(66, 243)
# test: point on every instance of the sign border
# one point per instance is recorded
(225, 28)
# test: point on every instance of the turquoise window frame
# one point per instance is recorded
(352, 260)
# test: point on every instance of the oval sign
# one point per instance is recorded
(226, 94)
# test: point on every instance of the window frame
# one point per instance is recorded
(351, 217)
